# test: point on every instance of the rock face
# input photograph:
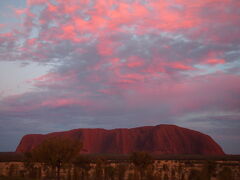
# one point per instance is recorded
(161, 139)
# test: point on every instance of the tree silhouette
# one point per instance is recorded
(99, 168)
(109, 172)
(121, 170)
(225, 173)
(141, 161)
(195, 175)
(55, 152)
(83, 162)
(208, 170)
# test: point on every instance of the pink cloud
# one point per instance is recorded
(105, 20)
(106, 47)
(180, 66)
(161, 65)
(108, 18)
(31, 42)
(62, 102)
(6, 35)
(52, 8)
(134, 61)
(124, 17)
(215, 61)
(118, 60)
(20, 11)
(54, 79)
(131, 77)
(193, 95)
(68, 33)
(35, 2)
(134, 64)
(115, 60)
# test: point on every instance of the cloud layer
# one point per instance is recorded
(126, 63)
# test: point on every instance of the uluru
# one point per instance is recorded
(160, 139)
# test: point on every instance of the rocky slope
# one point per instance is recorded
(161, 139)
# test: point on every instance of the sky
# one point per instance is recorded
(68, 64)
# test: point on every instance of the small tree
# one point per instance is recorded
(208, 170)
(225, 173)
(83, 162)
(180, 172)
(121, 170)
(56, 151)
(141, 161)
(195, 175)
(99, 168)
(109, 172)
(30, 166)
